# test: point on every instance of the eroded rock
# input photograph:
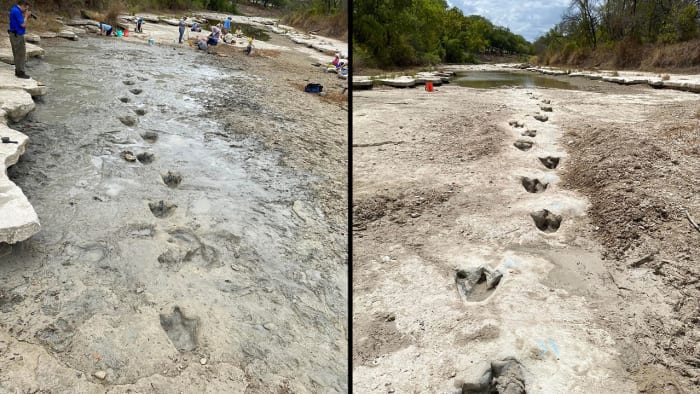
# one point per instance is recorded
(18, 220)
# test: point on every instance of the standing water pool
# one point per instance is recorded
(500, 79)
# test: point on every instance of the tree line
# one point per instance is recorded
(592, 24)
(399, 33)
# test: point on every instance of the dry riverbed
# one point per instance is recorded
(493, 250)
(193, 225)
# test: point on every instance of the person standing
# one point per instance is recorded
(227, 25)
(249, 48)
(18, 23)
(182, 29)
(139, 25)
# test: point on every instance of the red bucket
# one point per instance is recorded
(428, 86)
(126, 33)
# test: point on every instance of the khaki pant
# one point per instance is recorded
(19, 52)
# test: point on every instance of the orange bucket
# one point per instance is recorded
(126, 33)
(428, 86)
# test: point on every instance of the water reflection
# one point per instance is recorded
(499, 79)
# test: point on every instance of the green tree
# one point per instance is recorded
(417, 32)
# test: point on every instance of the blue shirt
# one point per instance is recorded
(106, 27)
(227, 24)
(16, 20)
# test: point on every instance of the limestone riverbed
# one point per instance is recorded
(525, 239)
(183, 243)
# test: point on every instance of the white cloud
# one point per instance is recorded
(529, 18)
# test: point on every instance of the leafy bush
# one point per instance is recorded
(687, 25)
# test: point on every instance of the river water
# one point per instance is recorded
(500, 79)
(140, 272)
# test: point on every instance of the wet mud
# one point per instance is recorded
(162, 244)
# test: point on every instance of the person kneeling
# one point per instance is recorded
(106, 29)
(214, 36)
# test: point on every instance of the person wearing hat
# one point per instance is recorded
(18, 22)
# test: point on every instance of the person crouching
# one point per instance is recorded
(106, 29)
(214, 36)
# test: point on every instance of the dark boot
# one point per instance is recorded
(21, 74)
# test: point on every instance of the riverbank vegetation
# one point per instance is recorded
(401, 33)
(646, 34)
(325, 17)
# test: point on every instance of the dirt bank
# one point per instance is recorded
(661, 58)
(193, 234)
(458, 268)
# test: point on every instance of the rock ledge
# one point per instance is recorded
(18, 220)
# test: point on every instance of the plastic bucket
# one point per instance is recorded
(428, 86)
(126, 33)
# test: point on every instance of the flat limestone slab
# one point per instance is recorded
(18, 220)
(170, 21)
(361, 82)
(400, 82)
(16, 103)
(9, 81)
(277, 30)
(626, 80)
(423, 77)
(684, 82)
(6, 51)
(69, 34)
(688, 86)
(151, 18)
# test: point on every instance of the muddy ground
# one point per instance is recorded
(598, 294)
(193, 211)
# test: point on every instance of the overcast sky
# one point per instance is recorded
(529, 18)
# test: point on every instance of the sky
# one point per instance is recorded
(529, 18)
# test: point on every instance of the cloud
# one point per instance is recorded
(529, 18)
